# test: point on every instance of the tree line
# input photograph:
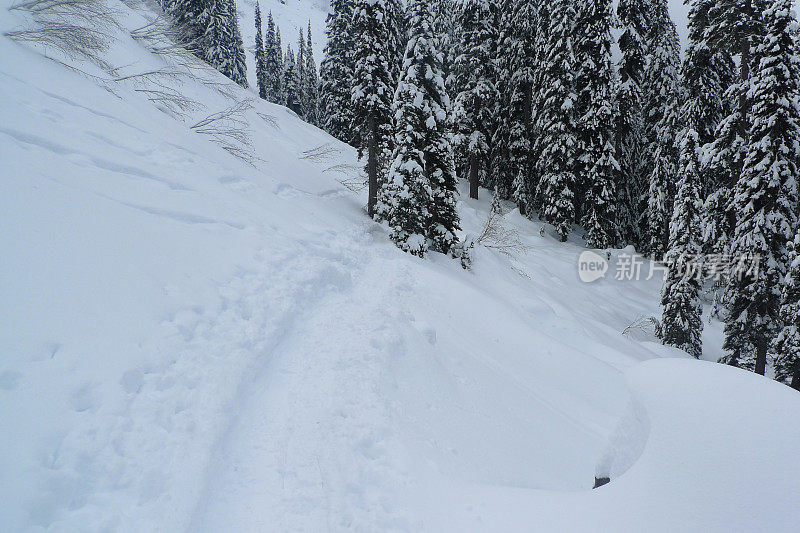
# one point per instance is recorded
(679, 157)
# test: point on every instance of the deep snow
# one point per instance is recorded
(191, 343)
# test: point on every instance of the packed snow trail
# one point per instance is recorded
(188, 342)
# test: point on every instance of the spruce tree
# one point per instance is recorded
(707, 75)
(300, 66)
(597, 164)
(787, 344)
(261, 75)
(682, 320)
(766, 195)
(631, 134)
(662, 105)
(336, 72)
(474, 108)
(557, 162)
(373, 87)
(273, 63)
(311, 88)
(291, 89)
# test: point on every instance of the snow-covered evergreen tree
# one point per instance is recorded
(787, 344)
(261, 74)
(766, 195)
(682, 318)
(373, 86)
(291, 82)
(311, 82)
(597, 164)
(336, 72)
(707, 75)
(557, 163)
(662, 105)
(512, 165)
(273, 62)
(631, 135)
(475, 106)
(300, 66)
(418, 199)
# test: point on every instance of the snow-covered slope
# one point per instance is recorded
(188, 342)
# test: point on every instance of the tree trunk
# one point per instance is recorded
(761, 355)
(473, 176)
(372, 166)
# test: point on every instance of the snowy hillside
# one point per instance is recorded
(191, 342)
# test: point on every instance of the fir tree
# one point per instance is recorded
(300, 66)
(682, 320)
(662, 102)
(291, 83)
(474, 109)
(336, 72)
(766, 196)
(311, 88)
(513, 161)
(373, 86)
(707, 75)
(273, 63)
(633, 157)
(787, 344)
(597, 164)
(418, 199)
(261, 75)
(557, 161)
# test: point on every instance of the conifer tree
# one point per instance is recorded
(373, 87)
(336, 72)
(418, 199)
(223, 46)
(633, 156)
(311, 88)
(557, 162)
(273, 63)
(597, 164)
(300, 66)
(766, 195)
(707, 75)
(261, 75)
(515, 73)
(787, 344)
(662, 105)
(474, 109)
(291, 83)
(682, 320)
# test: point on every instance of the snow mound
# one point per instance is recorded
(717, 451)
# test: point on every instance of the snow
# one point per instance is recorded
(191, 343)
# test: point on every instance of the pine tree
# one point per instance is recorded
(766, 195)
(597, 164)
(336, 72)
(662, 103)
(291, 83)
(300, 65)
(633, 157)
(261, 75)
(474, 108)
(557, 162)
(515, 73)
(273, 63)
(787, 344)
(707, 75)
(682, 320)
(373, 87)
(311, 88)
